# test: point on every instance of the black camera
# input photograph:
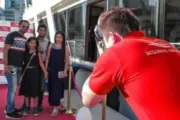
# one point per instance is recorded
(99, 37)
(98, 33)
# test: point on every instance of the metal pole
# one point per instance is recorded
(69, 110)
(104, 107)
(105, 97)
(69, 91)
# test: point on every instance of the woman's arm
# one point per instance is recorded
(48, 56)
(66, 60)
(42, 64)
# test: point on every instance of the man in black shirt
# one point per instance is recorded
(13, 59)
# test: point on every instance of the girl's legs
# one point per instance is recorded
(25, 109)
(35, 101)
(36, 110)
(25, 104)
(27, 101)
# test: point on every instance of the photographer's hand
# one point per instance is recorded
(100, 45)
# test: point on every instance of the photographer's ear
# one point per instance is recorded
(114, 38)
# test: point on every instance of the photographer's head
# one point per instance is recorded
(115, 23)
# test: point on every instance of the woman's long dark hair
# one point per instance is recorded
(63, 41)
(29, 40)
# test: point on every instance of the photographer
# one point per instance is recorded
(146, 70)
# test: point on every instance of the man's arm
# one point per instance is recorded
(8, 42)
(102, 80)
(48, 56)
(42, 65)
(5, 55)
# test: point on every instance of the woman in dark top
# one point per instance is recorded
(57, 64)
(30, 75)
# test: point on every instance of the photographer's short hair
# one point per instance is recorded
(119, 20)
(42, 26)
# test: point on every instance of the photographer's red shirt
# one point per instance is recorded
(147, 72)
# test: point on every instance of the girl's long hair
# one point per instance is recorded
(63, 41)
(29, 40)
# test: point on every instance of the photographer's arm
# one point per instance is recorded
(102, 80)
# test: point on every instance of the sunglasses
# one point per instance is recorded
(25, 26)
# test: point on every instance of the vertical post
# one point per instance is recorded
(50, 23)
(104, 108)
(25, 3)
(105, 97)
(161, 20)
(107, 4)
(35, 24)
(69, 110)
(69, 92)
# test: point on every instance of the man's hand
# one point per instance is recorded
(7, 69)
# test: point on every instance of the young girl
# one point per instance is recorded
(57, 62)
(30, 80)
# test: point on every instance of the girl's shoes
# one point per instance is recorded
(25, 111)
(55, 112)
(36, 111)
